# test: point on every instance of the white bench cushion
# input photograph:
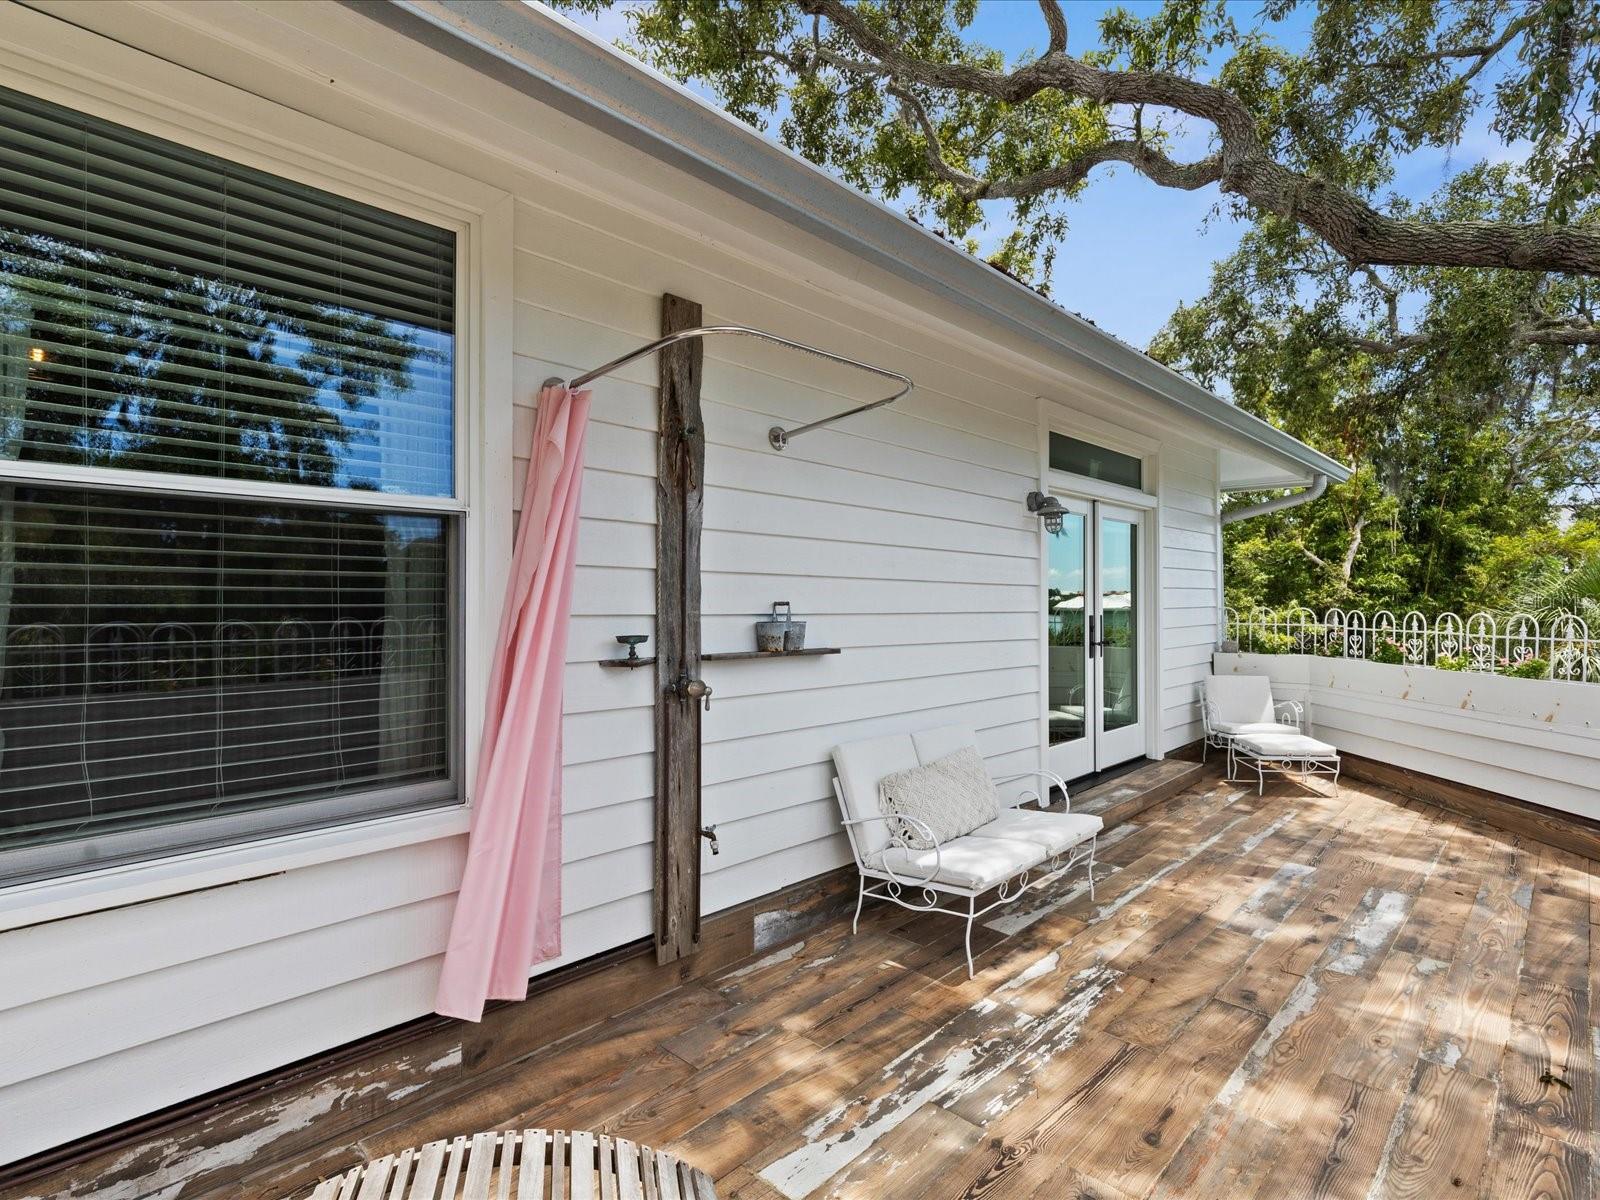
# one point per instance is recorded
(977, 863)
(860, 765)
(1247, 728)
(950, 796)
(1056, 832)
(1284, 745)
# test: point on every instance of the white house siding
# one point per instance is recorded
(899, 536)
(1190, 567)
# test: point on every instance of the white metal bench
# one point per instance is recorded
(1004, 856)
(523, 1164)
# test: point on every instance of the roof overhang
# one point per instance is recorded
(553, 61)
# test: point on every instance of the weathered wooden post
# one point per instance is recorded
(680, 475)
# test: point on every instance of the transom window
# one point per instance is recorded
(227, 499)
(1078, 457)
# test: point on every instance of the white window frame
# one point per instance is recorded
(106, 80)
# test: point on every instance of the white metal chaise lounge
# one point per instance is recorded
(1234, 706)
(999, 856)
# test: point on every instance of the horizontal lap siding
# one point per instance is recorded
(898, 536)
(1188, 586)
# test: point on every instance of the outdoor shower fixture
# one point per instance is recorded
(1048, 509)
(777, 437)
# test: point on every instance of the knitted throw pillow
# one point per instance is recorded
(952, 795)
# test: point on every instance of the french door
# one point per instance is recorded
(1094, 610)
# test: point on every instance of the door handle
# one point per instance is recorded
(1093, 642)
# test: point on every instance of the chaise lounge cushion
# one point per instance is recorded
(951, 796)
(1247, 728)
(1285, 745)
(1239, 700)
(1055, 832)
(978, 863)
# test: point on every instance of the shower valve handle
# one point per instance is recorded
(689, 688)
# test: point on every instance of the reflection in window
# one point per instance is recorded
(1065, 628)
(216, 653)
(1095, 462)
(1119, 600)
(174, 658)
(166, 310)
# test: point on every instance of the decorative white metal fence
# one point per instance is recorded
(1519, 644)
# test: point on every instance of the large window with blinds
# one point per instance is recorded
(228, 508)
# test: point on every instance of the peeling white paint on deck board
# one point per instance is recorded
(1446, 1053)
(1378, 1189)
(1300, 1002)
(1276, 887)
(169, 1180)
(1379, 915)
(1382, 913)
(1254, 842)
(1106, 911)
(776, 958)
(1038, 970)
(1016, 917)
(1019, 917)
(1024, 1041)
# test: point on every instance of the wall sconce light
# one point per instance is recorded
(1048, 509)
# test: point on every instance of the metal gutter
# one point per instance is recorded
(1244, 512)
(547, 58)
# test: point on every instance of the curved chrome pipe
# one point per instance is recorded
(778, 437)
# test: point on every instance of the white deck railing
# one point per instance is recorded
(1518, 644)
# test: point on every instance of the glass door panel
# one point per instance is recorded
(1093, 615)
(1119, 729)
(1068, 606)
(1119, 636)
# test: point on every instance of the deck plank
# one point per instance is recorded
(1295, 995)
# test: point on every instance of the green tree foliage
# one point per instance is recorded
(898, 97)
(1558, 590)
(1444, 348)
(1474, 446)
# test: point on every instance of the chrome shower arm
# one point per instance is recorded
(778, 437)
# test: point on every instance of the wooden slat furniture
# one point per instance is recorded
(525, 1164)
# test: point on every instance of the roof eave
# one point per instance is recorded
(552, 60)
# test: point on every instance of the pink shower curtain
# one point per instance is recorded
(508, 915)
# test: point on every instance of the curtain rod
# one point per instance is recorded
(778, 437)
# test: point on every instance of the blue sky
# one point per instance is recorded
(1135, 251)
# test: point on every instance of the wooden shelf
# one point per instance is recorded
(809, 652)
(727, 656)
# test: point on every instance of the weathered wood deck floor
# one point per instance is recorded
(1288, 996)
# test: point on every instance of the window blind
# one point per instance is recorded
(170, 310)
(172, 658)
(215, 664)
